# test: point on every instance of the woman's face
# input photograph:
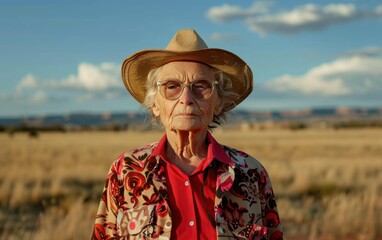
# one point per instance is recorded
(187, 113)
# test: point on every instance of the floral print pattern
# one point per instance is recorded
(134, 200)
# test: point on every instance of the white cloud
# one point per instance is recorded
(308, 17)
(357, 74)
(39, 97)
(89, 77)
(221, 37)
(29, 81)
(92, 77)
(228, 12)
(90, 82)
(30, 97)
(106, 95)
(378, 10)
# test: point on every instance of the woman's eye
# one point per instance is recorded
(172, 85)
(202, 84)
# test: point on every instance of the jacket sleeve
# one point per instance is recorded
(105, 226)
(271, 221)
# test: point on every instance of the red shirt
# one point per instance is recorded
(191, 198)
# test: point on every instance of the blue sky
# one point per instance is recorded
(60, 57)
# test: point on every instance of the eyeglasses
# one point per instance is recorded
(200, 90)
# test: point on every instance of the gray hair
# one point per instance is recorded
(224, 89)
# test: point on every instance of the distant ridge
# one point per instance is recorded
(237, 116)
(78, 119)
(309, 113)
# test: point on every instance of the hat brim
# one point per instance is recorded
(136, 68)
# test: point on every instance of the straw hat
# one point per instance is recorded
(186, 45)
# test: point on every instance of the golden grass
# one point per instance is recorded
(328, 183)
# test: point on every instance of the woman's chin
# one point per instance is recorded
(184, 126)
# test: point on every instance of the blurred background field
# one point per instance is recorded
(314, 119)
(328, 182)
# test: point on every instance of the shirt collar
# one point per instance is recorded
(215, 150)
(159, 150)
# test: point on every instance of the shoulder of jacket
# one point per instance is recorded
(242, 159)
(135, 158)
(140, 151)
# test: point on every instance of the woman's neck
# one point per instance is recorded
(186, 149)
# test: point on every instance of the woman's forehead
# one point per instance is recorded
(185, 68)
(187, 65)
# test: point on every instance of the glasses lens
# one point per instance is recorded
(202, 89)
(171, 90)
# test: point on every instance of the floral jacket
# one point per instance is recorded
(134, 200)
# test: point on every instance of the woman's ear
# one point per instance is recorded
(155, 109)
(218, 107)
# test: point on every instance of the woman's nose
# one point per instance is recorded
(186, 96)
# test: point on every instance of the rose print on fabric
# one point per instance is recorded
(134, 184)
(134, 200)
(100, 232)
(233, 213)
(246, 185)
(271, 218)
(133, 221)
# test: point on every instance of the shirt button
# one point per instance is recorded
(192, 223)
(186, 183)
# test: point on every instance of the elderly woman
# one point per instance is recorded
(187, 186)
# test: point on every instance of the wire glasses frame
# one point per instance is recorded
(200, 90)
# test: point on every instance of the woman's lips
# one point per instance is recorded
(186, 114)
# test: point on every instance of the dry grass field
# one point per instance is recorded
(328, 183)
